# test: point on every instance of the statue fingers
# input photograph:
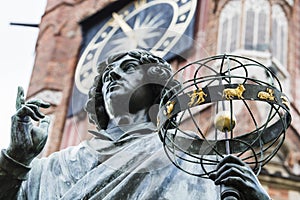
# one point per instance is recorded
(36, 110)
(230, 172)
(231, 159)
(25, 111)
(20, 100)
(226, 168)
(39, 103)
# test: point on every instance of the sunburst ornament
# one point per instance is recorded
(154, 25)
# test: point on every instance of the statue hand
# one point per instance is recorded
(27, 140)
(233, 172)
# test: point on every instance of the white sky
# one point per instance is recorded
(17, 52)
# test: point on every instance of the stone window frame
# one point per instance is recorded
(279, 52)
(259, 28)
(230, 12)
(231, 41)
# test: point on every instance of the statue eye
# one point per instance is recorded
(130, 67)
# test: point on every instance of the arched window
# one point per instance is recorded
(279, 34)
(253, 25)
(256, 28)
(229, 27)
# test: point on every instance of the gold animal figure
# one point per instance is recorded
(169, 108)
(229, 93)
(268, 95)
(285, 101)
(197, 94)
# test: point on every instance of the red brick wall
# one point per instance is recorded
(57, 55)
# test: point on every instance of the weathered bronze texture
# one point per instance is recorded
(125, 159)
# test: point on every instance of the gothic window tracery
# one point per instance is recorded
(254, 25)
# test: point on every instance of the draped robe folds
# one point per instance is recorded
(130, 166)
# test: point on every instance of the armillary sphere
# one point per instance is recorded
(228, 105)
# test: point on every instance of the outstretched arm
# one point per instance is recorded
(27, 141)
(232, 172)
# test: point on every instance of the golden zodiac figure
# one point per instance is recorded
(229, 93)
(170, 108)
(285, 101)
(197, 94)
(268, 95)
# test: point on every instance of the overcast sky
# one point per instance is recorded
(17, 52)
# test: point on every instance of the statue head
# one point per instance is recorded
(132, 80)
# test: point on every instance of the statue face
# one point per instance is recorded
(121, 77)
(124, 85)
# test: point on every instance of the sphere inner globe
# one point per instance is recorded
(224, 121)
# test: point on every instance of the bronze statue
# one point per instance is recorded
(125, 159)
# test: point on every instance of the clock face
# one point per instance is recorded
(154, 25)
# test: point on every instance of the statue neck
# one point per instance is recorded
(129, 118)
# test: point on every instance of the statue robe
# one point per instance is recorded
(131, 165)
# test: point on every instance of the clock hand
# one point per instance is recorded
(124, 26)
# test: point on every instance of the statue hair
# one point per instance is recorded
(157, 74)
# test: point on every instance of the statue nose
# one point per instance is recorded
(114, 75)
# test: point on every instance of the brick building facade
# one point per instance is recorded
(59, 43)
